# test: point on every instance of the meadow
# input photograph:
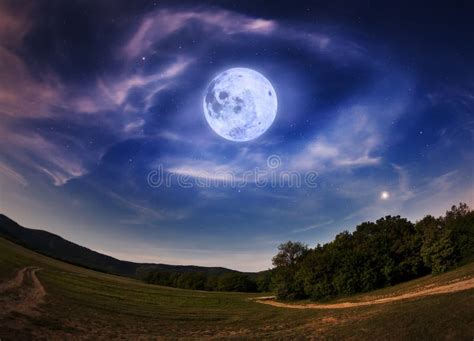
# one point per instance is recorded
(85, 304)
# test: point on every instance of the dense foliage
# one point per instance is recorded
(375, 255)
(231, 281)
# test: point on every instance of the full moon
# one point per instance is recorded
(240, 104)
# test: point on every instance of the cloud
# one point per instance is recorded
(134, 125)
(14, 24)
(156, 27)
(405, 192)
(117, 90)
(444, 182)
(21, 95)
(26, 98)
(171, 136)
(313, 226)
(349, 142)
(143, 212)
(59, 162)
(207, 170)
(11, 174)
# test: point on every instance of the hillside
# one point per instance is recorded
(46, 298)
(54, 246)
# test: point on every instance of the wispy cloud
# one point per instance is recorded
(313, 226)
(11, 174)
(24, 96)
(58, 162)
(405, 192)
(206, 169)
(160, 25)
(351, 141)
(144, 213)
(117, 90)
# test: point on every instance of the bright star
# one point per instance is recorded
(384, 195)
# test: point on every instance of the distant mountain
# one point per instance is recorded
(54, 246)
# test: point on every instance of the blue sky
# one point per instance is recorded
(93, 97)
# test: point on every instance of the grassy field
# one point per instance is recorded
(81, 303)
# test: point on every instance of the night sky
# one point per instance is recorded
(376, 97)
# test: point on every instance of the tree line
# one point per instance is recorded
(377, 254)
(230, 281)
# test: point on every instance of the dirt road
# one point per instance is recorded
(23, 293)
(427, 291)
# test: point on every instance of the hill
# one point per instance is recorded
(55, 246)
(43, 298)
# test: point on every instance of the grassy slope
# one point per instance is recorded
(84, 303)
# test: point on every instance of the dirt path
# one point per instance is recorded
(22, 293)
(427, 291)
(14, 282)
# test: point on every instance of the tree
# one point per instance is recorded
(460, 220)
(192, 280)
(236, 281)
(289, 253)
(286, 266)
(264, 281)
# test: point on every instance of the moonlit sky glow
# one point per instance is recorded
(373, 96)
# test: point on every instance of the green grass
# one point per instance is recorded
(87, 304)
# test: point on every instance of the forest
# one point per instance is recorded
(230, 281)
(375, 255)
